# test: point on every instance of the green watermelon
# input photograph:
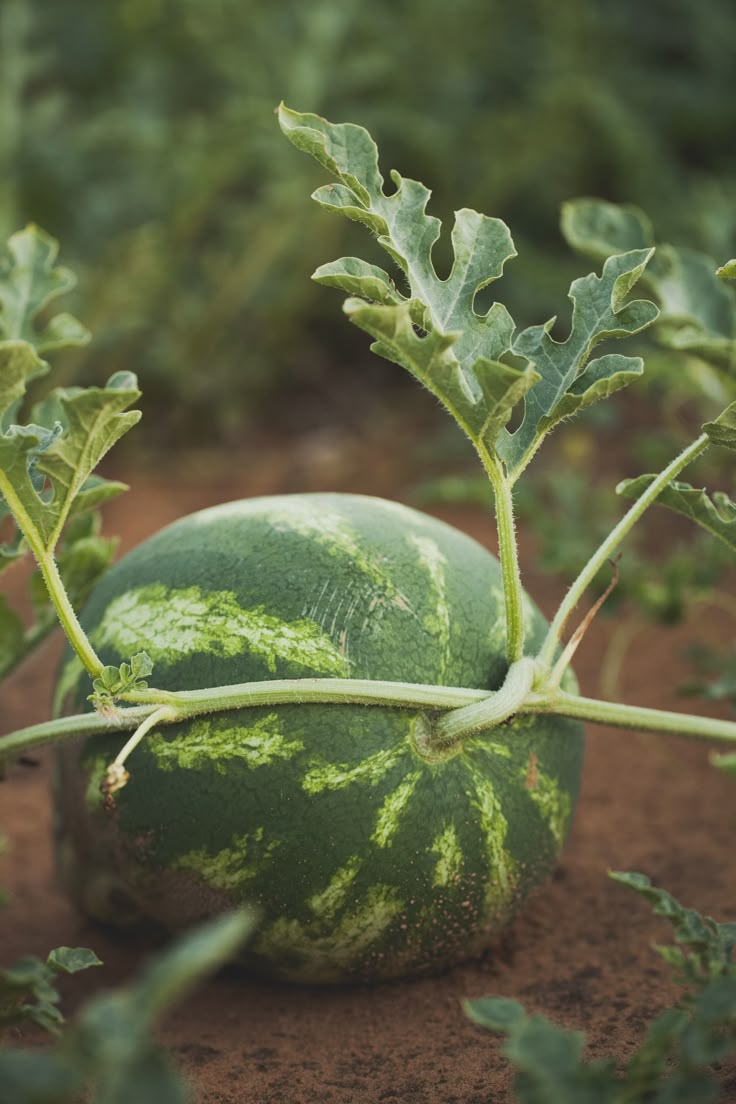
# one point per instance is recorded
(364, 860)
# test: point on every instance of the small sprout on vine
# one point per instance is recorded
(114, 681)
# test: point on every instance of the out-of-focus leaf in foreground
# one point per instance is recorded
(111, 1048)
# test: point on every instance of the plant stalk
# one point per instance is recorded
(470, 711)
(458, 725)
(636, 717)
(508, 556)
(611, 543)
(51, 577)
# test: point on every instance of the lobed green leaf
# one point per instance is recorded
(709, 945)
(461, 363)
(470, 361)
(715, 513)
(46, 467)
(722, 431)
(697, 312)
(601, 310)
(29, 281)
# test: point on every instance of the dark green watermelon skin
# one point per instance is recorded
(364, 860)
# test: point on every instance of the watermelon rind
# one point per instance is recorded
(363, 859)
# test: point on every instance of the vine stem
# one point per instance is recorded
(458, 724)
(52, 579)
(633, 716)
(520, 694)
(508, 556)
(117, 775)
(611, 543)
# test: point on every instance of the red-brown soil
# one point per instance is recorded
(581, 950)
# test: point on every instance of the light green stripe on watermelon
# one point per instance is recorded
(233, 867)
(341, 944)
(212, 740)
(553, 803)
(335, 776)
(490, 747)
(494, 829)
(437, 619)
(328, 528)
(392, 809)
(327, 902)
(171, 623)
(450, 862)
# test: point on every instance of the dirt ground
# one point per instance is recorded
(580, 952)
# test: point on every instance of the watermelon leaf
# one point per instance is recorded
(110, 1053)
(29, 281)
(601, 310)
(672, 1062)
(722, 430)
(708, 945)
(431, 328)
(114, 681)
(43, 468)
(716, 513)
(27, 990)
(697, 312)
(469, 360)
(47, 463)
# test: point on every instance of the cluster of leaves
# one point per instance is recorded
(99, 100)
(672, 1064)
(475, 363)
(28, 993)
(110, 1050)
(697, 317)
(48, 492)
(118, 680)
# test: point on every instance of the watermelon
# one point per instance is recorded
(364, 859)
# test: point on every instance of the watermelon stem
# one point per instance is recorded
(508, 555)
(611, 543)
(467, 711)
(117, 776)
(637, 717)
(452, 729)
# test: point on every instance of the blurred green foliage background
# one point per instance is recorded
(141, 133)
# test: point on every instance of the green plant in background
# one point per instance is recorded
(672, 1064)
(62, 526)
(123, 131)
(27, 990)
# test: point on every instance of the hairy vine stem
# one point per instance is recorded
(508, 556)
(611, 543)
(467, 711)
